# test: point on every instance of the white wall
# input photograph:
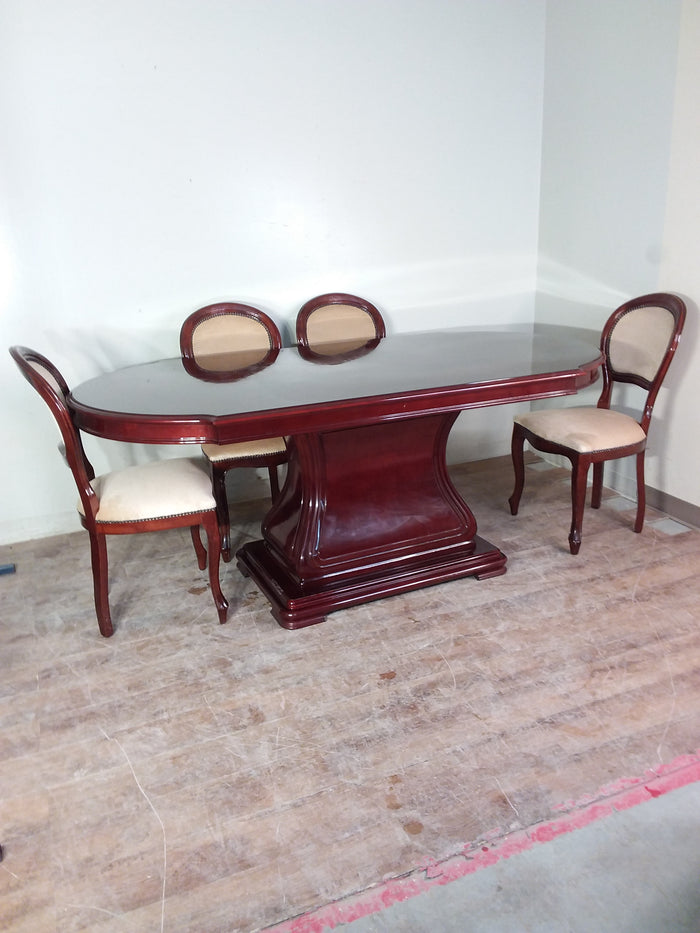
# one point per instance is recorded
(678, 472)
(608, 100)
(159, 156)
(610, 80)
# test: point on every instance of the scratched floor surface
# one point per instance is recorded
(186, 776)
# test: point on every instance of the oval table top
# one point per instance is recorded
(401, 375)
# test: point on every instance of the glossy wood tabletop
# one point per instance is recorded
(403, 374)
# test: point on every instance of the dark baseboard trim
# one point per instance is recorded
(676, 508)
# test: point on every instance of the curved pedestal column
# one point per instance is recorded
(366, 512)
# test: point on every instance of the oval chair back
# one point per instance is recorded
(336, 325)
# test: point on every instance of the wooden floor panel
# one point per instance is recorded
(226, 778)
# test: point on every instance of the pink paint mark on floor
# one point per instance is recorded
(615, 797)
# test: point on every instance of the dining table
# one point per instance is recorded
(367, 509)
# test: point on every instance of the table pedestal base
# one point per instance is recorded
(365, 512)
(295, 605)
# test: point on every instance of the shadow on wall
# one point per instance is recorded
(566, 295)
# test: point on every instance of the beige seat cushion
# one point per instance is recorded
(244, 449)
(154, 490)
(583, 429)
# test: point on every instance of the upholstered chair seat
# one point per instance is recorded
(584, 429)
(246, 450)
(180, 486)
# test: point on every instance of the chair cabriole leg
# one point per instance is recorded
(597, 493)
(100, 580)
(579, 476)
(274, 483)
(517, 450)
(199, 548)
(218, 476)
(211, 527)
(641, 494)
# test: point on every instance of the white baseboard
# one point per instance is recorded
(29, 529)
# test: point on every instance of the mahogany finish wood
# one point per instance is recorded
(581, 462)
(52, 387)
(196, 366)
(368, 508)
(307, 349)
(366, 512)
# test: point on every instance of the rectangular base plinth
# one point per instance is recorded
(295, 605)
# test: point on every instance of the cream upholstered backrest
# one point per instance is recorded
(639, 341)
(337, 328)
(229, 341)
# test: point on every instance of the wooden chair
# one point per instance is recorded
(638, 343)
(336, 327)
(166, 494)
(224, 342)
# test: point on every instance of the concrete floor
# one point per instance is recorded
(636, 871)
(186, 776)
